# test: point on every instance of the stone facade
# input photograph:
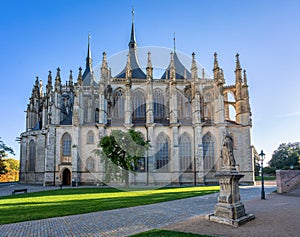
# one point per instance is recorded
(184, 116)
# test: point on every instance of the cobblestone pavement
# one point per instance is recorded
(277, 216)
(126, 221)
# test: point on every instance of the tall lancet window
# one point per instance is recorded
(139, 105)
(180, 106)
(208, 109)
(32, 154)
(66, 145)
(90, 137)
(188, 110)
(159, 104)
(208, 152)
(185, 153)
(119, 101)
(162, 152)
(97, 115)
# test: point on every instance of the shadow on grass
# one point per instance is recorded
(166, 233)
(29, 209)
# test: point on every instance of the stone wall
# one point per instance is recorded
(287, 180)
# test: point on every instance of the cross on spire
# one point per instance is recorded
(132, 12)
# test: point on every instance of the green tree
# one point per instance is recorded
(4, 151)
(285, 156)
(120, 153)
(13, 167)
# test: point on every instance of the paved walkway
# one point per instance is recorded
(277, 216)
(126, 221)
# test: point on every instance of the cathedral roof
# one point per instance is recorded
(181, 71)
(137, 72)
(88, 75)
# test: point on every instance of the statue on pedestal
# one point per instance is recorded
(227, 152)
(229, 209)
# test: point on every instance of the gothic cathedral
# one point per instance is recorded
(184, 116)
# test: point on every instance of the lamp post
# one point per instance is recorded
(262, 157)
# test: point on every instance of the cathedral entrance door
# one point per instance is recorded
(66, 179)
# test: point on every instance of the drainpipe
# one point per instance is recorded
(54, 167)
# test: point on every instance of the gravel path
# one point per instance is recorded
(126, 221)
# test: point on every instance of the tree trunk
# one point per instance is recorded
(126, 178)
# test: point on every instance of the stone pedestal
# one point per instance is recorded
(229, 209)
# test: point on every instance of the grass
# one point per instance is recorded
(268, 178)
(54, 203)
(166, 233)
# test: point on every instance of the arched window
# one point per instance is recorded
(162, 152)
(90, 137)
(32, 152)
(139, 105)
(90, 164)
(119, 101)
(159, 104)
(97, 116)
(66, 145)
(208, 152)
(232, 113)
(208, 110)
(185, 153)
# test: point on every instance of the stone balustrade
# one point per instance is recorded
(286, 180)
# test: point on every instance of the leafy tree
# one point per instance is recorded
(285, 156)
(4, 151)
(256, 168)
(13, 168)
(120, 153)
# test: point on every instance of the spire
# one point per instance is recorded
(71, 76)
(128, 67)
(238, 70)
(238, 65)
(216, 66)
(88, 75)
(49, 84)
(132, 43)
(88, 72)
(245, 78)
(194, 68)
(57, 74)
(149, 68)
(41, 88)
(136, 71)
(174, 39)
(35, 89)
(37, 82)
(89, 54)
(149, 63)
(172, 68)
(104, 67)
(71, 79)
(57, 80)
(79, 78)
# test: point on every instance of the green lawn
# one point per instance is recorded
(166, 233)
(40, 205)
(267, 178)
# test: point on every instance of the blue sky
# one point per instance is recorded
(38, 36)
